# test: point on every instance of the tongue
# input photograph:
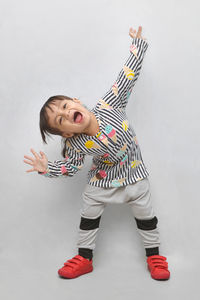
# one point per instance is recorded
(78, 118)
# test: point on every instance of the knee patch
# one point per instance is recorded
(89, 224)
(147, 224)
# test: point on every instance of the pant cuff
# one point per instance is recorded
(152, 251)
(85, 252)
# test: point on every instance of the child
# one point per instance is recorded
(117, 174)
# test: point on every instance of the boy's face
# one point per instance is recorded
(69, 117)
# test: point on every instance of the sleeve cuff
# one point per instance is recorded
(47, 172)
(140, 41)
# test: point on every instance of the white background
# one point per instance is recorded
(77, 48)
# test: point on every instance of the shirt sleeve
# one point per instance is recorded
(120, 91)
(72, 163)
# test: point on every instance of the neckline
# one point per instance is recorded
(99, 123)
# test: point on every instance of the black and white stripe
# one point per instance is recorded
(114, 117)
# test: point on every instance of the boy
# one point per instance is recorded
(117, 174)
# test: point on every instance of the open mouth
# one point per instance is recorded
(77, 117)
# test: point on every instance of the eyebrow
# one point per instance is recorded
(55, 119)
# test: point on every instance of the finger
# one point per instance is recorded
(28, 162)
(31, 170)
(42, 154)
(132, 31)
(29, 157)
(35, 153)
(139, 32)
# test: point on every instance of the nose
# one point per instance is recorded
(65, 114)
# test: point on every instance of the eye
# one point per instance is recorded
(64, 106)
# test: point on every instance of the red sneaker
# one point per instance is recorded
(75, 267)
(158, 267)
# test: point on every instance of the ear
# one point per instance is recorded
(76, 100)
(67, 135)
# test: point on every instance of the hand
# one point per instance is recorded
(39, 163)
(132, 33)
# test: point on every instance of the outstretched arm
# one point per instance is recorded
(120, 91)
(58, 168)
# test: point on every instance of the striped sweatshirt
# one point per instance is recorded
(117, 159)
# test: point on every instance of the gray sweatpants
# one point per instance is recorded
(137, 195)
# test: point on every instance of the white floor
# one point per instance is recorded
(113, 278)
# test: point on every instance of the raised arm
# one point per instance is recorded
(72, 163)
(120, 91)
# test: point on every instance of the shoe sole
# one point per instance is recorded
(71, 277)
(160, 279)
(164, 279)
